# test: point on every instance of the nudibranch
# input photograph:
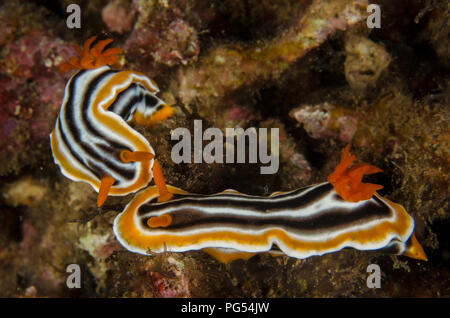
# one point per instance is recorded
(314, 220)
(92, 140)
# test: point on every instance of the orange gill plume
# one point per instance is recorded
(347, 181)
(90, 58)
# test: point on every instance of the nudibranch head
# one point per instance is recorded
(90, 58)
(347, 181)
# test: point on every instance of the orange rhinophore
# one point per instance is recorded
(105, 186)
(159, 221)
(164, 194)
(347, 181)
(90, 58)
(128, 156)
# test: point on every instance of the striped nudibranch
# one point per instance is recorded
(92, 140)
(314, 220)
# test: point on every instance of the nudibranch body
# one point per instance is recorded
(92, 140)
(314, 220)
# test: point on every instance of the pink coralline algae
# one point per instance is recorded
(35, 55)
(164, 287)
(183, 45)
(8, 124)
(117, 17)
(30, 72)
(174, 44)
(173, 284)
(326, 121)
(238, 114)
(50, 97)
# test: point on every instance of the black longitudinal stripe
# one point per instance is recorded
(75, 153)
(116, 104)
(115, 155)
(128, 110)
(70, 118)
(293, 200)
(95, 169)
(127, 173)
(90, 165)
(141, 95)
(150, 100)
(123, 103)
(329, 218)
(115, 146)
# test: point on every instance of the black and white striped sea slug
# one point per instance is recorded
(310, 221)
(92, 140)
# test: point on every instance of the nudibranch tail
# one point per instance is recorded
(90, 58)
(414, 249)
(347, 181)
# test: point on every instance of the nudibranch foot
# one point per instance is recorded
(226, 255)
(90, 58)
(347, 181)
